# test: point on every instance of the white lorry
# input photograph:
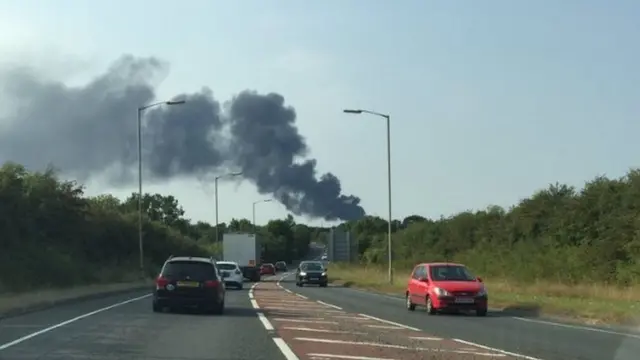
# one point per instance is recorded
(245, 249)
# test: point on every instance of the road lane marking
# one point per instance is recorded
(390, 322)
(265, 322)
(316, 356)
(347, 317)
(302, 296)
(329, 305)
(577, 327)
(428, 338)
(306, 321)
(67, 322)
(496, 350)
(285, 349)
(321, 311)
(401, 347)
(295, 328)
(389, 327)
(254, 303)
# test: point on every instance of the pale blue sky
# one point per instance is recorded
(490, 100)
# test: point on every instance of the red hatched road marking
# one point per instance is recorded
(319, 331)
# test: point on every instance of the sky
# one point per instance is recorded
(489, 101)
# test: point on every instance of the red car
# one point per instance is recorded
(267, 269)
(446, 286)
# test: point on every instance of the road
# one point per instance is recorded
(279, 321)
(132, 331)
(534, 338)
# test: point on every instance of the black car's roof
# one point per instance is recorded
(190, 258)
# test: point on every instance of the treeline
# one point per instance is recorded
(51, 234)
(559, 234)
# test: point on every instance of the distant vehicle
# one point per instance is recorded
(267, 269)
(231, 273)
(311, 272)
(244, 249)
(446, 286)
(187, 281)
(281, 266)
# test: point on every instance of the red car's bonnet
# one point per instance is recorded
(470, 286)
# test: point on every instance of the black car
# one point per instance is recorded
(187, 281)
(311, 272)
(281, 266)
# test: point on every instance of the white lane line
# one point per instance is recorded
(389, 327)
(296, 328)
(578, 327)
(496, 350)
(428, 338)
(390, 322)
(67, 322)
(306, 321)
(317, 356)
(329, 305)
(287, 290)
(285, 349)
(302, 296)
(265, 322)
(347, 317)
(401, 347)
(323, 311)
(254, 304)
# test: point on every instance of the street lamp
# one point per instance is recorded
(254, 212)
(216, 195)
(387, 117)
(140, 110)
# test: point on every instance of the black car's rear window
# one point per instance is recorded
(195, 270)
(226, 266)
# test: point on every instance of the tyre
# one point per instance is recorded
(430, 309)
(156, 307)
(240, 286)
(481, 312)
(410, 305)
(218, 309)
(323, 285)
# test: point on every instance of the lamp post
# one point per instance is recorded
(254, 212)
(388, 120)
(216, 196)
(141, 109)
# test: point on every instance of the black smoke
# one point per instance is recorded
(86, 130)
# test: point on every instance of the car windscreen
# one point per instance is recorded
(196, 270)
(312, 267)
(451, 273)
(226, 266)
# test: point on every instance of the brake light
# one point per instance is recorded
(161, 282)
(211, 283)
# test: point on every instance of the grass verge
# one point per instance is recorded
(20, 303)
(591, 304)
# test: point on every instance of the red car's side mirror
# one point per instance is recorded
(479, 279)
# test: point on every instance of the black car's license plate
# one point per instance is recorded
(313, 278)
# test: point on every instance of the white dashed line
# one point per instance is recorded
(577, 327)
(265, 322)
(329, 305)
(427, 338)
(400, 347)
(285, 349)
(322, 330)
(316, 356)
(390, 322)
(389, 327)
(254, 303)
(302, 296)
(67, 322)
(496, 350)
(306, 321)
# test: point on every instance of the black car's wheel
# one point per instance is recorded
(323, 285)
(481, 312)
(218, 309)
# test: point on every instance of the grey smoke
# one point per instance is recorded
(88, 129)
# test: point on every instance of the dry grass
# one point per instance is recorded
(22, 301)
(590, 303)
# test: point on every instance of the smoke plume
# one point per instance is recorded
(85, 130)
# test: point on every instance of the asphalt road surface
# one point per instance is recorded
(528, 337)
(131, 331)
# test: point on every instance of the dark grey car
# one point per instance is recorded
(311, 272)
